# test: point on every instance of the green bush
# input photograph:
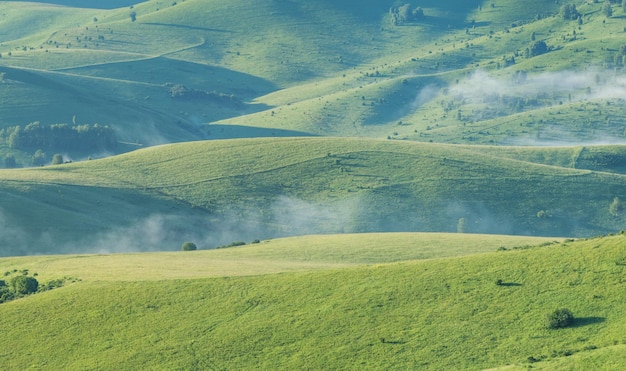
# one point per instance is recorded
(23, 285)
(189, 246)
(560, 318)
(57, 159)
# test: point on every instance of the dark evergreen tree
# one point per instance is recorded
(538, 48)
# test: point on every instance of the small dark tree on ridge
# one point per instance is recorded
(189, 246)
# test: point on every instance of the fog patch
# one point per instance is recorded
(12, 238)
(301, 217)
(425, 95)
(573, 85)
(285, 216)
(477, 218)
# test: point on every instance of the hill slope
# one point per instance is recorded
(318, 69)
(217, 192)
(432, 314)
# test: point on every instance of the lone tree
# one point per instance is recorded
(189, 246)
(57, 159)
(560, 318)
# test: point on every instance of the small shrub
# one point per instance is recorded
(560, 318)
(189, 246)
(57, 159)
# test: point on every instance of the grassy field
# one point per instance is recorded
(217, 192)
(269, 256)
(442, 313)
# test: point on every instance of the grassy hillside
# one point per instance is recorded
(341, 121)
(431, 314)
(217, 192)
(319, 69)
(269, 256)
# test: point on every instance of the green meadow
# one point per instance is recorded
(426, 313)
(370, 185)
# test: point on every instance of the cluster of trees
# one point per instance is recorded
(569, 12)
(17, 287)
(405, 14)
(60, 137)
(536, 48)
(607, 7)
(20, 284)
(180, 91)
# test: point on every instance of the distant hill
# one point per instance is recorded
(452, 72)
(320, 68)
(93, 4)
(217, 192)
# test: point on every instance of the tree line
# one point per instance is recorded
(60, 137)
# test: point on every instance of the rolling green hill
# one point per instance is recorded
(398, 184)
(441, 313)
(217, 192)
(317, 68)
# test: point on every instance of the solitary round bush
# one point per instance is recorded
(560, 318)
(24, 285)
(189, 246)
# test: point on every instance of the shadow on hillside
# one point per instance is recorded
(440, 23)
(165, 71)
(240, 131)
(510, 284)
(371, 10)
(93, 4)
(187, 27)
(585, 321)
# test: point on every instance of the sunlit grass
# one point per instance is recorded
(270, 256)
(430, 314)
